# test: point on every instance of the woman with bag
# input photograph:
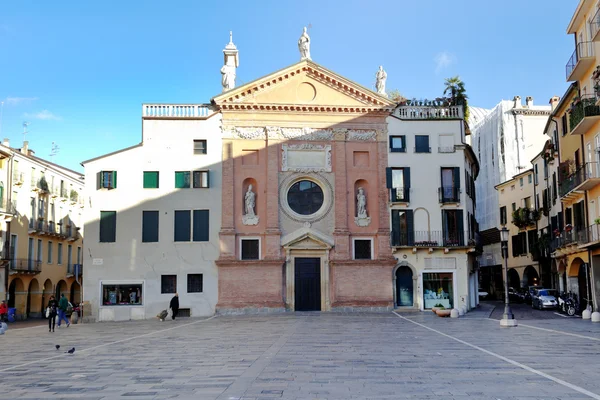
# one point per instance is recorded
(51, 313)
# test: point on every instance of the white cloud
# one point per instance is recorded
(443, 60)
(44, 114)
(19, 100)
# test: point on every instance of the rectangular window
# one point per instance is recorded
(403, 228)
(194, 283)
(438, 289)
(399, 184)
(521, 181)
(122, 294)
(108, 226)
(70, 258)
(523, 243)
(59, 255)
(516, 245)
(30, 254)
(535, 173)
(563, 123)
(250, 249)
(79, 260)
(529, 178)
(105, 180)
(150, 179)
(182, 225)
(149, 226)
(201, 225)
(199, 146)
(514, 207)
(362, 249)
(503, 215)
(450, 189)
(453, 224)
(422, 144)
(182, 179)
(39, 250)
(201, 179)
(49, 252)
(168, 284)
(527, 202)
(398, 144)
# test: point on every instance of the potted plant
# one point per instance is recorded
(597, 221)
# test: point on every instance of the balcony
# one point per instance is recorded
(581, 60)
(584, 114)
(428, 239)
(446, 149)
(595, 27)
(175, 111)
(449, 194)
(25, 266)
(427, 112)
(42, 185)
(585, 178)
(63, 194)
(400, 195)
(18, 178)
(566, 239)
(523, 218)
(8, 209)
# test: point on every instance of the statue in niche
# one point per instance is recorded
(380, 79)
(304, 46)
(361, 219)
(249, 217)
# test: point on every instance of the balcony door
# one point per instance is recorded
(597, 151)
(30, 251)
(590, 161)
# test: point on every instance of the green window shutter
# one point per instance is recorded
(182, 179)
(201, 220)
(406, 173)
(108, 226)
(149, 226)
(410, 227)
(150, 179)
(388, 177)
(182, 225)
(98, 181)
(456, 179)
(461, 227)
(114, 179)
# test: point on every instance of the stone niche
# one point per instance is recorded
(306, 157)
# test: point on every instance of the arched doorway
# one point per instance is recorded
(404, 287)
(61, 287)
(75, 297)
(34, 295)
(530, 276)
(17, 297)
(47, 292)
(513, 279)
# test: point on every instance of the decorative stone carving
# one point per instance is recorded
(273, 132)
(250, 133)
(306, 158)
(380, 79)
(319, 134)
(249, 217)
(231, 62)
(292, 133)
(362, 135)
(304, 45)
(361, 219)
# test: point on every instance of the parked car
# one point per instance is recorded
(530, 292)
(514, 295)
(544, 298)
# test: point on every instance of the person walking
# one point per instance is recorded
(3, 311)
(51, 313)
(174, 306)
(63, 304)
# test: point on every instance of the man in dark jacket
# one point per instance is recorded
(63, 304)
(174, 305)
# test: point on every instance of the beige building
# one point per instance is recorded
(519, 213)
(42, 236)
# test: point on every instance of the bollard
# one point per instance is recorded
(586, 314)
(454, 313)
(596, 316)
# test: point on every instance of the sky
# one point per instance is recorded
(79, 71)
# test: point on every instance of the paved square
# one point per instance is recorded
(306, 356)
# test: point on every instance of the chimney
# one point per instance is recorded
(529, 101)
(25, 148)
(517, 101)
(6, 142)
(554, 102)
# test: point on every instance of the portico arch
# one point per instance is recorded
(400, 275)
(513, 279)
(34, 299)
(530, 276)
(17, 297)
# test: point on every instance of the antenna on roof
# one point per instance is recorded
(25, 125)
(54, 151)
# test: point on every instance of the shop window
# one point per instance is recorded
(438, 289)
(168, 284)
(122, 294)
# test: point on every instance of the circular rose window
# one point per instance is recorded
(305, 197)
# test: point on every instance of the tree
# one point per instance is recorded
(396, 96)
(458, 94)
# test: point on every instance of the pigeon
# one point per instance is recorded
(71, 351)
(57, 346)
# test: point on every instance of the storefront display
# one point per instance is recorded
(438, 289)
(122, 294)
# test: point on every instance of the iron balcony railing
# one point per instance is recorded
(573, 237)
(419, 111)
(590, 234)
(595, 24)
(449, 194)
(25, 265)
(586, 171)
(585, 107)
(582, 50)
(63, 193)
(401, 194)
(428, 239)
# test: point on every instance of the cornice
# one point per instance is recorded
(526, 111)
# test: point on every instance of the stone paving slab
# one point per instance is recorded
(304, 356)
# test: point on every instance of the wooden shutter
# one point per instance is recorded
(388, 177)
(406, 178)
(150, 179)
(114, 179)
(395, 238)
(149, 226)
(560, 221)
(410, 227)
(182, 225)
(456, 173)
(460, 223)
(108, 226)
(201, 225)
(99, 183)
(180, 180)
(515, 246)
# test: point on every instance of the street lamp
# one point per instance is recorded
(508, 319)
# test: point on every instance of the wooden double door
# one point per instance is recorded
(307, 284)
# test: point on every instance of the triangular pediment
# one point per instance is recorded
(307, 238)
(305, 86)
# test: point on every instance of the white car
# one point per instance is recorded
(483, 294)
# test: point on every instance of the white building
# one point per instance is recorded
(431, 179)
(154, 217)
(505, 141)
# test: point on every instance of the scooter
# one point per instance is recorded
(568, 303)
